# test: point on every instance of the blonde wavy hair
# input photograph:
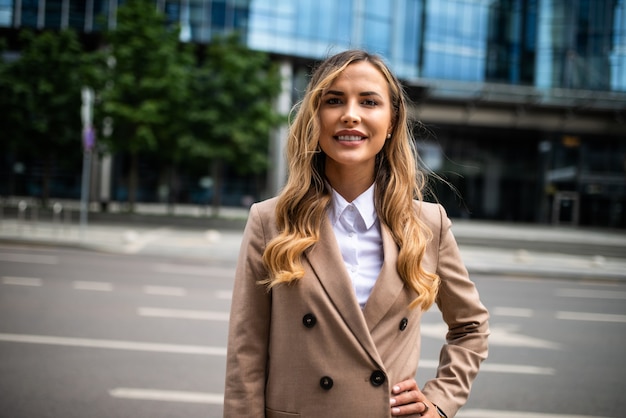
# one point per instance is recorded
(303, 202)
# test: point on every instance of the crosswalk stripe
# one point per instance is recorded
(596, 317)
(488, 413)
(114, 344)
(591, 294)
(165, 290)
(167, 395)
(183, 314)
(499, 368)
(21, 281)
(95, 286)
(516, 312)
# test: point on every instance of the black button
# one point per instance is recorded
(403, 324)
(326, 383)
(377, 378)
(309, 320)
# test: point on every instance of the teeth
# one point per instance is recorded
(349, 138)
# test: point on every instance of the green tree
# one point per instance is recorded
(147, 89)
(232, 112)
(41, 101)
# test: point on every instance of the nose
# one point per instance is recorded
(350, 116)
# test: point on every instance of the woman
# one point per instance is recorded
(335, 273)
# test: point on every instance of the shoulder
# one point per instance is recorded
(265, 207)
(263, 216)
(430, 213)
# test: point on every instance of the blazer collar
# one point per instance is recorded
(325, 259)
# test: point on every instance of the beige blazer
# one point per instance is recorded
(308, 350)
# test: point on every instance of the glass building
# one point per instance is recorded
(524, 101)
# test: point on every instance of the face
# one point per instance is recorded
(355, 118)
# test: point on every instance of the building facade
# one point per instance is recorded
(522, 102)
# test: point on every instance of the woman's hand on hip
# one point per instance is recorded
(408, 399)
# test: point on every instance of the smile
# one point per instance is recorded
(349, 138)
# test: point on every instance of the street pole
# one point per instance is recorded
(88, 142)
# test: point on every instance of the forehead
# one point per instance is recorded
(361, 75)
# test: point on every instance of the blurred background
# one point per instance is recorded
(186, 101)
(163, 120)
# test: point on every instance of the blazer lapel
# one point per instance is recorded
(327, 263)
(388, 285)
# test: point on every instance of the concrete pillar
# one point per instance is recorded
(277, 172)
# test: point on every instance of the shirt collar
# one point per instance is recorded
(364, 204)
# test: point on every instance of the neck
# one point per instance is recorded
(350, 184)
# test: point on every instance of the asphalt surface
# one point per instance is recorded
(533, 250)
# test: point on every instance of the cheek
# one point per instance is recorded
(325, 120)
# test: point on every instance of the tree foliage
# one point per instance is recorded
(210, 107)
(41, 99)
(232, 115)
(147, 85)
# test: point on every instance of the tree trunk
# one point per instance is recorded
(45, 180)
(172, 180)
(218, 179)
(132, 181)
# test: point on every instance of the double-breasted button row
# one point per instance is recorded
(377, 378)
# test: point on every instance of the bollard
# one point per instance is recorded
(57, 208)
(34, 217)
(67, 219)
(21, 209)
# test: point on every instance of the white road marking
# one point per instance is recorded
(596, 317)
(183, 314)
(136, 242)
(499, 368)
(94, 286)
(181, 269)
(502, 335)
(29, 258)
(224, 294)
(21, 281)
(114, 344)
(507, 337)
(205, 271)
(591, 294)
(517, 312)
(167, 395)
(488, 413)
(516, 369)
(165, 290)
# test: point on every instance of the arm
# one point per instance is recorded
(468, 328)
(246, 360)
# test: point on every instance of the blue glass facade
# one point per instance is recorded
(526, 98)
(573, 44)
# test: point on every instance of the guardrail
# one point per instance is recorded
(19, 217)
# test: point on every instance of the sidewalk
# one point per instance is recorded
(487, 247)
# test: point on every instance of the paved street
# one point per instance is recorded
(129, 319)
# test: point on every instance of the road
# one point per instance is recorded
(91, 334)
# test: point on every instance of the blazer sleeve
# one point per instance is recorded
(467, 320)
(246, 359)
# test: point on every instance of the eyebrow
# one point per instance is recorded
(363, 94)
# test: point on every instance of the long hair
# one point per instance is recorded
(303, 202)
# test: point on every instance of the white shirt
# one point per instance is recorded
(357, 230)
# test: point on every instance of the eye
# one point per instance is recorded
(370, 102)
(333, 101)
